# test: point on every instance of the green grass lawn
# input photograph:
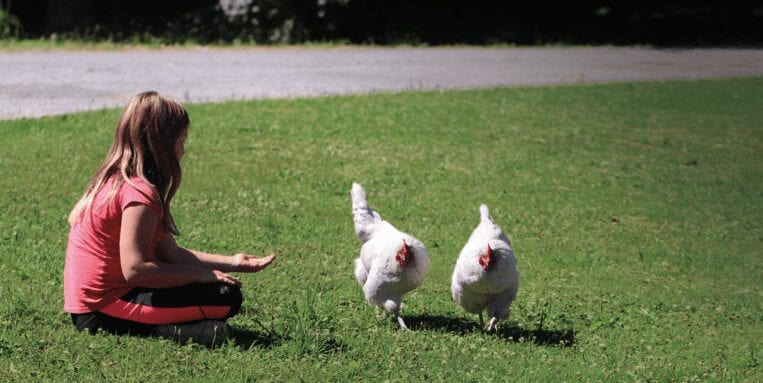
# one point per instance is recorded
(635, 211)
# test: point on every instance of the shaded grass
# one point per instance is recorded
(139, 42)
(142, 42)
(635, 211)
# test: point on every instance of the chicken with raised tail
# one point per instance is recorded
(391, 262)
(486, 276)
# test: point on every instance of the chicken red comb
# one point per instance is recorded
(487, 260)
(405, 256)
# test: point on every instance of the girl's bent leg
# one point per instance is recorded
(216, 301)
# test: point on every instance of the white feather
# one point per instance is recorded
(477, 289)
(383, 279)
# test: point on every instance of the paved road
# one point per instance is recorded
(44, 83)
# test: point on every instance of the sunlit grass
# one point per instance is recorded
(635, 211)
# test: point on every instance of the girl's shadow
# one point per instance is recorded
(246, 339)
(539, 336)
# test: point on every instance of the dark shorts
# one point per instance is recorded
(142, 309)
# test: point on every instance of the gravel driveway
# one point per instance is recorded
(39, 83)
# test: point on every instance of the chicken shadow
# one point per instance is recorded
(539, 336)
(461, 326)
(439, 323)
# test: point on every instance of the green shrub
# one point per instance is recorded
(10, 27)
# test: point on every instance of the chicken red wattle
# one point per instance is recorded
(487, 260)
(404, 257)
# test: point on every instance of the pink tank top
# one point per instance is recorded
(93, 275)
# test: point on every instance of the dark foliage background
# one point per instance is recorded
(396, 21)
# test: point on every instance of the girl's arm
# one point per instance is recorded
(139, 262)
(168, 251)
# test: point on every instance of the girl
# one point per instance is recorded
(124, 272)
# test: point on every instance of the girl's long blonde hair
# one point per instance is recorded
(144, 147)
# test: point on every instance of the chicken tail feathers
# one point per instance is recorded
(363, 216)
(358, 195)
(484, 213)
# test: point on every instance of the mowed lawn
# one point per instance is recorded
(635, 211)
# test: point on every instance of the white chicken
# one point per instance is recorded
(486, 276)
(391, 262)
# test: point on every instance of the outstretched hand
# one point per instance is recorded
(249, 264)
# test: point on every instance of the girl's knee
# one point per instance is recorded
(230, 293)
(232, 297)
